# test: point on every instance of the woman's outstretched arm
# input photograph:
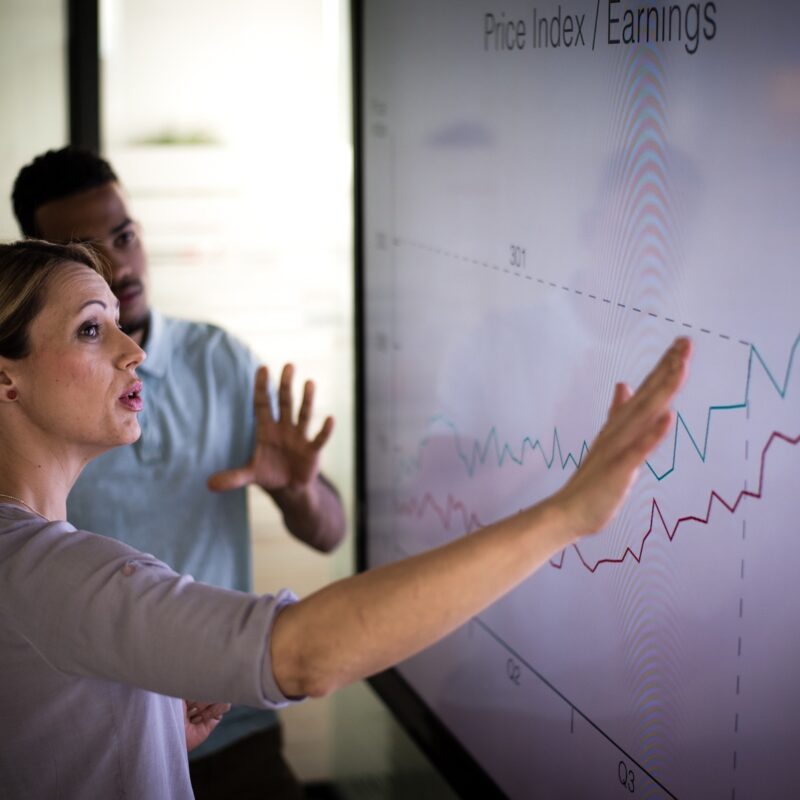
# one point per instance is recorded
(364, 624)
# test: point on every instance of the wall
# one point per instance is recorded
(33, 87)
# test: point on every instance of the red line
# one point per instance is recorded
(470, 522)
(417, 508)
(654, 509)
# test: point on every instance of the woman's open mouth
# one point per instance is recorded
(132, 397)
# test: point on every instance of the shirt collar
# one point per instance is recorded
(156, 347)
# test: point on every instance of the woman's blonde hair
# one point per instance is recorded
(26, 268)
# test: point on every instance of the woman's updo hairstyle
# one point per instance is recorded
(25, 271)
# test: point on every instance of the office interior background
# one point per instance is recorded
(230, 126)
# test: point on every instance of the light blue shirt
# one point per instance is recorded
(197, 419)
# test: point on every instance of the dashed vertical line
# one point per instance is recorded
(740, 622)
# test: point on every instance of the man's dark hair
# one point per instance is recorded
(53, 175)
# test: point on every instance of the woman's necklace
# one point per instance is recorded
(22, 502)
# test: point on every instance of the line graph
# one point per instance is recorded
(536, 227)
(656, 511)
(478, 453)
(454, 508)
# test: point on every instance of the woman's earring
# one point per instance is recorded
(12, 394)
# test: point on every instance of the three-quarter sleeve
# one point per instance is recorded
(95, 607)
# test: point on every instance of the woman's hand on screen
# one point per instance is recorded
(637, 422)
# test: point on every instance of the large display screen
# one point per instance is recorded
(550, 192)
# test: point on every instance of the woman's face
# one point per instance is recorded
(78, 383)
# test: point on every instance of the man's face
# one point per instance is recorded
(100, 216)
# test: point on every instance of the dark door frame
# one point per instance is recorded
(83, 73)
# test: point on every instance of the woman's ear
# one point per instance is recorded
(8, 388)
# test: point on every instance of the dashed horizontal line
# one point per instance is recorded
(397, 241)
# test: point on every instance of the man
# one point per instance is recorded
(208, 431)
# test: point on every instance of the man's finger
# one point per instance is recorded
(304, 415)
(285, 395)
(324, 434)
(261, 399)
(229, 479)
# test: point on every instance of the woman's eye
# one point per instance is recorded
(90, 331)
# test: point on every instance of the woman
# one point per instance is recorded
(96, 638)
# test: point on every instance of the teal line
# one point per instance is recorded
(681, 422)
(478, 454)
